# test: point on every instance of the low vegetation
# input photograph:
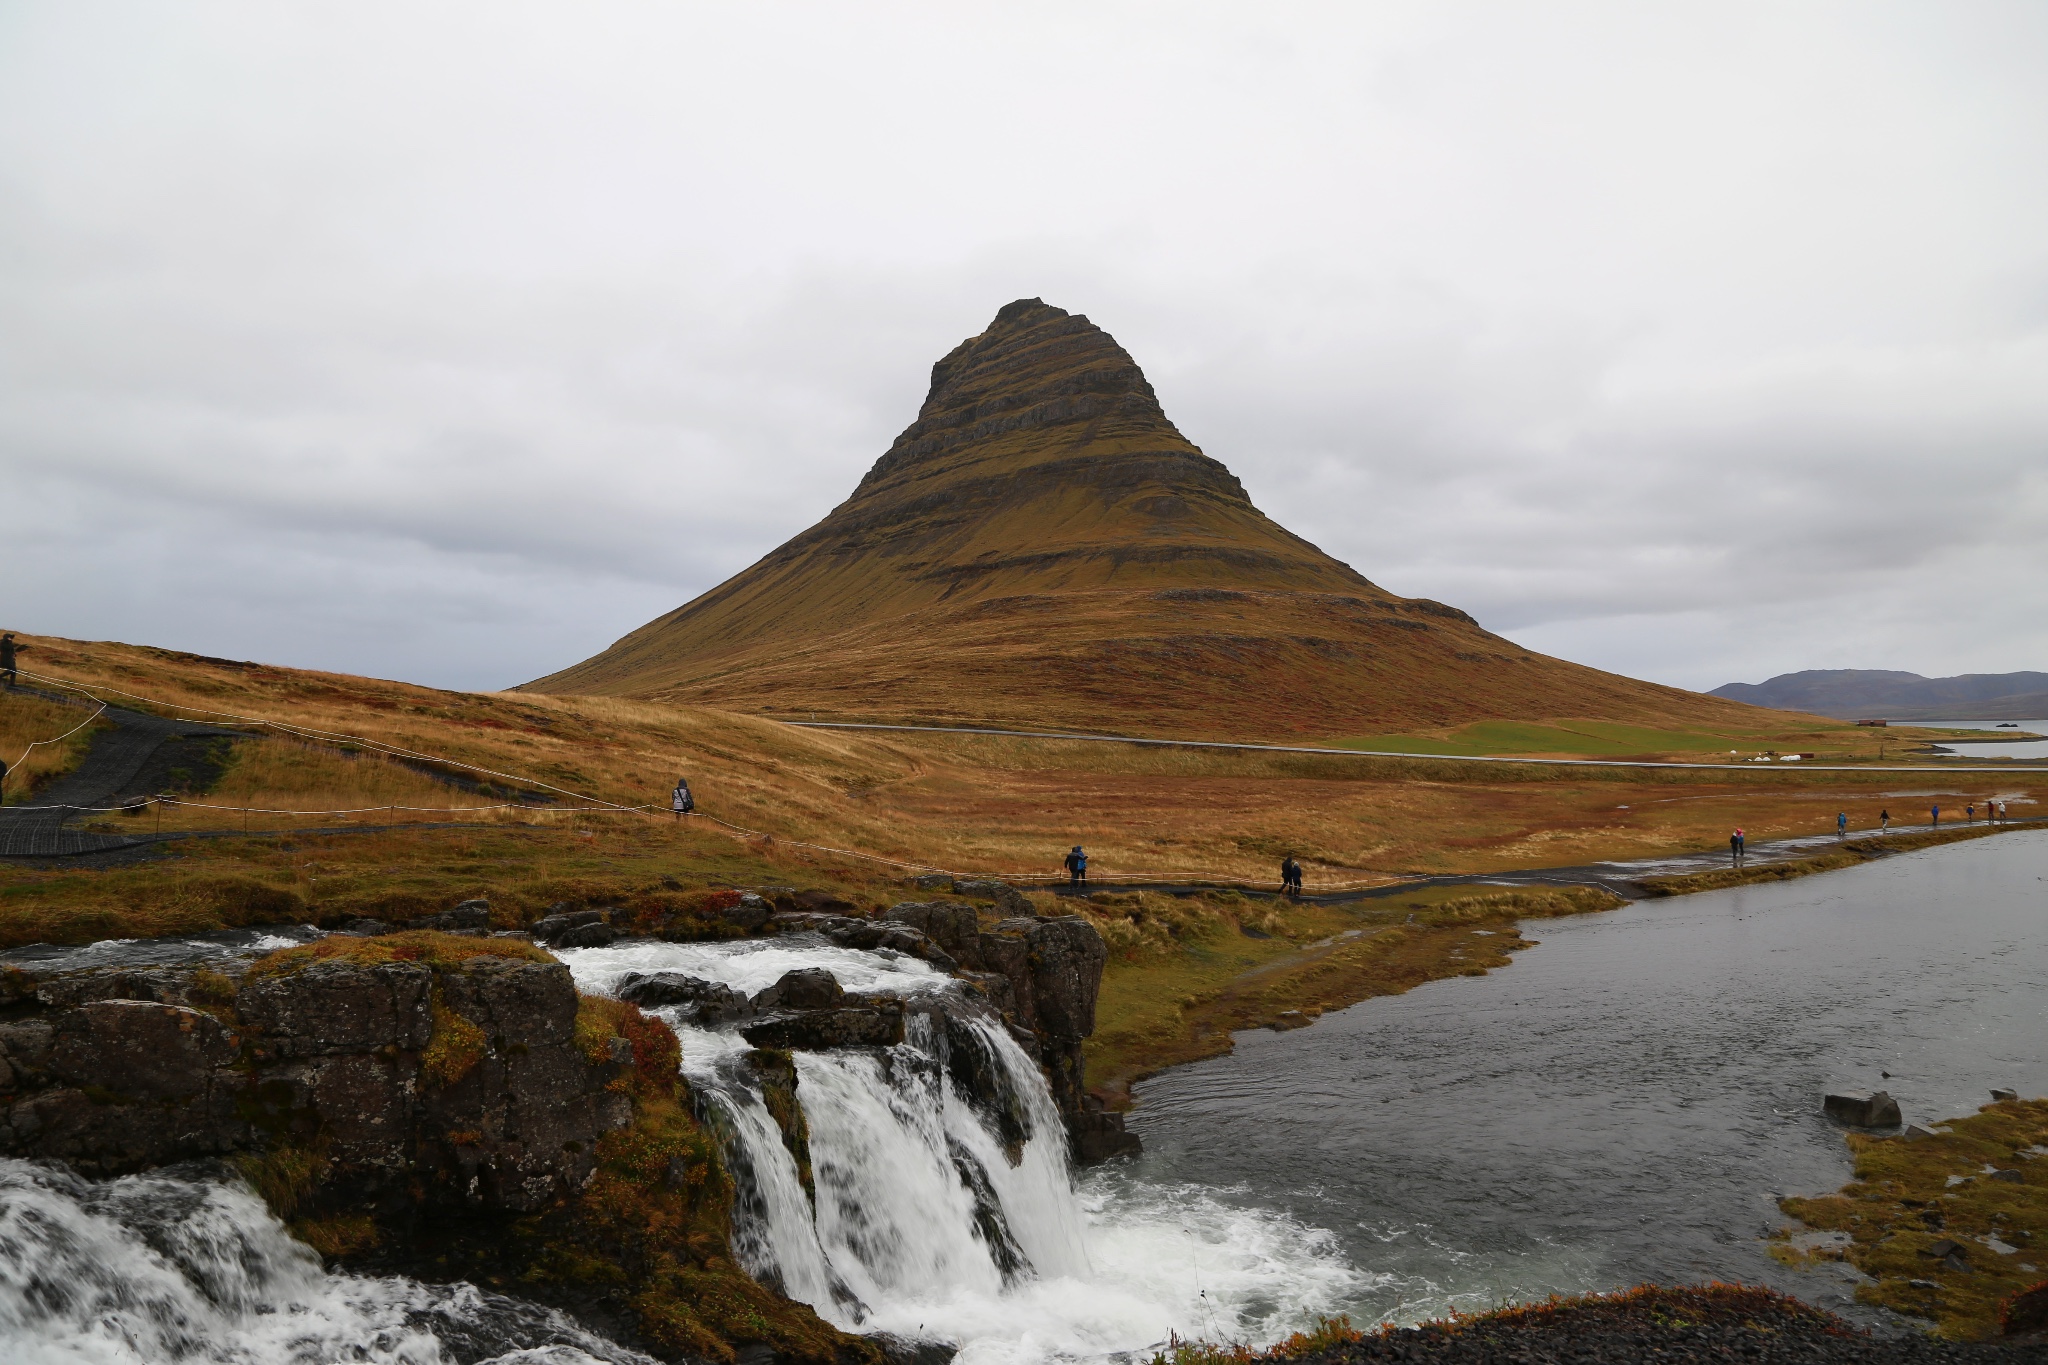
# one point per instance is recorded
(40, 741)
(1948, 1224)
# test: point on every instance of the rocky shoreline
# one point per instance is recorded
(1714, 1323)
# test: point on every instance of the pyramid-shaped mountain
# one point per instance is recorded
(1042, 546)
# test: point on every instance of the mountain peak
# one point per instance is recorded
(1043, 542)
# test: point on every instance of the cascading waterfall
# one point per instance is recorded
(190, 1266)
(942, 1205)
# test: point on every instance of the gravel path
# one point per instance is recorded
(42, 827)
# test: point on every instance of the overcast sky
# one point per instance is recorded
(451, 342)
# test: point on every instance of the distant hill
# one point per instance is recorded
(1042, 546)
(1883, 694)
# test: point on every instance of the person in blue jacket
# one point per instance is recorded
(1077, 866)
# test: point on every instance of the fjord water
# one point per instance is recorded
(1625, 1101)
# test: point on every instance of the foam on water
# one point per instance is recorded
(168, 1268)
(926, 1224)
(753, 965)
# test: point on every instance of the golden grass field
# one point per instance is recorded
(998, 806)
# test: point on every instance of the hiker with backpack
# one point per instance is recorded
(1290, 877)
(1076, 864)
(680, 801)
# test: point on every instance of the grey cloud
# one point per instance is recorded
(1698, 344)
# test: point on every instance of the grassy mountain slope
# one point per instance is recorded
(1042, 546)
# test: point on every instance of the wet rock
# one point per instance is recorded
(1289, 1019)
(1099, 1136)
(1876, 1109)
(367, 928)
(551, 926)
(444, 1088)
(775, 1073)
(933, 881)
(822, 1030)
(1055, 968)
(704, 1002)
(470, 914)
(954, 927)
(750, 914)
(587, 936)
(2008, 1175)
(900, 1350)
(2000, 1096)
(138, 1050)
(870, 935)
(806, 988)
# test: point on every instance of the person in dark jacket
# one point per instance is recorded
(1076, 864)
(680, 801)
(1290, 876)
(8, 649)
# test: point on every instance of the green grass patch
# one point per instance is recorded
(1913, 1199)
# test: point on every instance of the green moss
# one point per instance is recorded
(424, 946)
(1909, 1195)
(455, 1047)
(286, 1175)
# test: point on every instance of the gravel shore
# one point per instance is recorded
(1718, 1323)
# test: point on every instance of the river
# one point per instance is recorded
(1625, 1102)
(1621, 1104)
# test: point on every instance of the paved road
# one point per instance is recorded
(2009, 766)
(45, 827)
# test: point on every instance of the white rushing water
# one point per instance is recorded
(928, 1224)
(168, 1268)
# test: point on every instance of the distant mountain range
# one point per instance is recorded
(1884, 694)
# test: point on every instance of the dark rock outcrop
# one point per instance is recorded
(459, 1086)
(1860, 1110)
(954, 927)
(703, 1002)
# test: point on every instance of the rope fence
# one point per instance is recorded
(39, 743)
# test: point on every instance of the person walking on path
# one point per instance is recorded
(1841, 824)
(680, 801)
(1077, 867)
(1735, 849)
(1290, 876)
(1935, 819)
(1970, 813)
(1884, 821)
(8, 649)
